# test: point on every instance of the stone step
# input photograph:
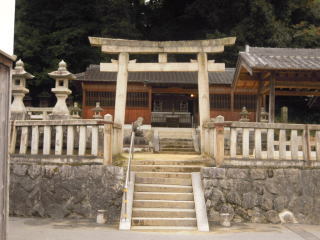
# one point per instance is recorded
(179, 152)
(164, 174)
(162, 188)
(166, 181)
(174, 145)
(164, 228)
(166, 162)
(175, 138)
(163, 196)
(177, 149)
(163, 204)
(163, 212)
(165, 168)
(141, 221)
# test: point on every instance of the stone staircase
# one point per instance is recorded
(176, 140)
(163, 195)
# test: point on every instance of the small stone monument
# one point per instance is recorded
(75, 111)
(225, 219)
(61, 90)
(284, 114)
(19, 90)
(101, 217)
(97, 111)
(264, 116)
(244, 115)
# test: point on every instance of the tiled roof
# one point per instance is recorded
(93, 74)
(281, 58)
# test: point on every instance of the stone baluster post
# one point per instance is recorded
(219, 141)
(19, 90)
(61, 90)
(107, 145)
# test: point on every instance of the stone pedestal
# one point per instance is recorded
(19, 90)
(61, 90)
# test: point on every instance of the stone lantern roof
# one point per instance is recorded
(19, 71)
(62, 72)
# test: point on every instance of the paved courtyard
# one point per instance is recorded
(47, 229)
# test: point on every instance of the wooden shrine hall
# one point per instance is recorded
(170, 99)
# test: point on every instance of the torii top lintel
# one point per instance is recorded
(112, 45)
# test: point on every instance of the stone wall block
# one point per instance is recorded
(243, 213)
(280, 203)
(215, 173)
(237, 173)
(209, 183)
(258, 174)
(34, 171)
(249, 200)
(227, 208)
(20, 170)
(273, 217)
(242, 186)
(258, 187)
(217, 198)
(257, 216)
(266, 203)
(233, 197)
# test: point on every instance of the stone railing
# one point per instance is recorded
(242, 143)
(64, 141)
(39, 113)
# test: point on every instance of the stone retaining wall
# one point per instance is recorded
(260, 195)
(65, 191)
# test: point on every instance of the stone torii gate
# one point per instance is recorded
(123, 65)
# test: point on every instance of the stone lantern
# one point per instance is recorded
(244, 115)
(75, 110)
(264, 115)
(19, 90)
(97, 111)
(61, 90)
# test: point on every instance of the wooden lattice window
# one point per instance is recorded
(248, 101)
(157, 106)
(183, 106)
(137, 99)
(220, 101)
(106, 99)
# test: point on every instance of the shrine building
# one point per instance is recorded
(170, 99)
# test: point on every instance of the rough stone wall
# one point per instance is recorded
(65, 191)
(260, 195)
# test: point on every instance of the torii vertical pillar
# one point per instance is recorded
(121, 93)
(203, 90)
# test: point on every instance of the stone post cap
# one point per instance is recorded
(108, 117)
(219, 119)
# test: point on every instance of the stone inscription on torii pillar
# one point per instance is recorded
(123, 65)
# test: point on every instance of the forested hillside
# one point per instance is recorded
(50, 30)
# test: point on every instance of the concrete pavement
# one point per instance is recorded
(48, 229)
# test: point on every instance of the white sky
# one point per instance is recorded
(7, 8)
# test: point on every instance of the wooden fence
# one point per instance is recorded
(59, 140)
(242, 142)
